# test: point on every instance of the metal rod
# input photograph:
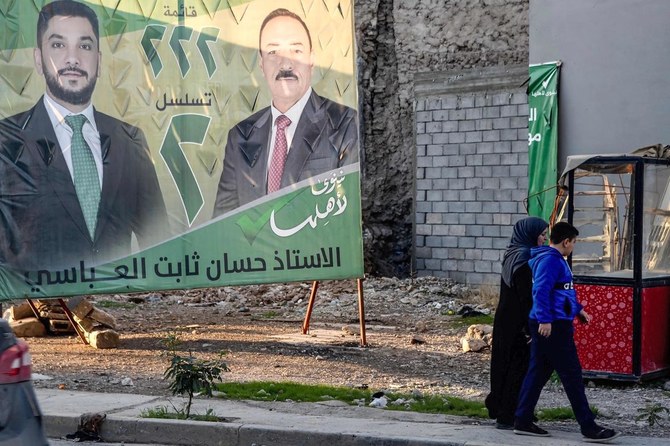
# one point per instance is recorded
(361, 311)
(70, 318)
(310, 306)
(34, 308)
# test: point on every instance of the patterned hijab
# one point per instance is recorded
(524, 237)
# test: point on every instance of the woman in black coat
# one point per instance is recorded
(510, 350)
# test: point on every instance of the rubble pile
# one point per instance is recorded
(477, 338)
(49, 317)
(386, 299)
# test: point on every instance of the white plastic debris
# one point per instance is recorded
(380, 402)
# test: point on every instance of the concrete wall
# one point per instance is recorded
(396, 40)
(471, 171)
(614, 85)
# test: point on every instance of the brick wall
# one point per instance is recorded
(471, 170)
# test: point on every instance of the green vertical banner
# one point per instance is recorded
(542, 138)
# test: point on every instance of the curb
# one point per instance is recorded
(204, 433)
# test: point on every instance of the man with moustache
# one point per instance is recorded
(75, 184)
(300, 135)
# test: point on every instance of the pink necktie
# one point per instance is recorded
(278, 155)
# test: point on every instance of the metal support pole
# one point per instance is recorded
(361, 311)
(34, 308)
(70, 318)
(310, 306)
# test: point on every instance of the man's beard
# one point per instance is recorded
(79, 97)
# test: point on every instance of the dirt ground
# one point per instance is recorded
(412, 328)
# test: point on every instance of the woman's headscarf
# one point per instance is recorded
(524, 237)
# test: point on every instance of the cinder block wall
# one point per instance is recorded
(471, 170)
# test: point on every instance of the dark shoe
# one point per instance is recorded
(600, 434)
(531, 429)
(504, 426)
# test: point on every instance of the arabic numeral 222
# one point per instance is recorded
(179, 35)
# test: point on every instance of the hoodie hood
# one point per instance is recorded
(540, 252)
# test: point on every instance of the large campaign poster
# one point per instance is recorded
(542, 138)
(139, 151)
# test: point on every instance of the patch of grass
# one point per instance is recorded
(114, 304)
(269, 314)
(282, 391)
(163, 412)
(440, 405)
(291, 391)
(559, 413)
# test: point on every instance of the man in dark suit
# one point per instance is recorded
(75, 184)
(299, 136)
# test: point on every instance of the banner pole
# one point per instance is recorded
(361, 311)
(310, 306)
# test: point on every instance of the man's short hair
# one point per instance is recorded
(562, 231)
(282, 12)
(65, 8)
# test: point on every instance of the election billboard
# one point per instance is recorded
(177, 144)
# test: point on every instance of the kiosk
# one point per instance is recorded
(621, 263)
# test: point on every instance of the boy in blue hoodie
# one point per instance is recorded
(552, 348)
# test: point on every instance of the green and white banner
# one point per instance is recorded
(199, 185)
(542, 138)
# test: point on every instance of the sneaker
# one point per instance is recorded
(600, 434)
(504, 426)
(531, 429)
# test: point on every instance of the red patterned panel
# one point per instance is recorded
(606, 344)
(655, 329)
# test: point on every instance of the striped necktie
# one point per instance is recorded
(278, 155)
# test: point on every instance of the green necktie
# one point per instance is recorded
(85, 173)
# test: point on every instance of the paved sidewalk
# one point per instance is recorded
(283, 424)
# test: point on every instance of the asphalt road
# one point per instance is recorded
(59, 442)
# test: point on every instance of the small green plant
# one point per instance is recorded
(191, 375)
(269, 314)
(653, 413)
(163, 412)
(171, 342)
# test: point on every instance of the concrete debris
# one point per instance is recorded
(477, 338)
(28, 327)
(49, 317)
